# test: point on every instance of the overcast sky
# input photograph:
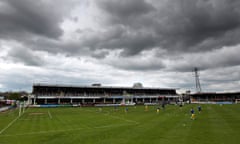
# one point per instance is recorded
(120, 42)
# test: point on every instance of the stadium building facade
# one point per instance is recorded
(97, 94)
(216, 98)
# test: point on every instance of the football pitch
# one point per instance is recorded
(216, 124)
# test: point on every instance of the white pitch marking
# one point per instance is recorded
(49, 114)
(25, 119)
(54, 131)
(116, 117)
(130, 121)
(43, 132)
(9, 125)
(114, 125)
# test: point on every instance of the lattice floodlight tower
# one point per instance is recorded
(196, 74)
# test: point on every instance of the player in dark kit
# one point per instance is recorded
(163, 106)
(199, 109)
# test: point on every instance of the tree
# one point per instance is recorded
(14, 96)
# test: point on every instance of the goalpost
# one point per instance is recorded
(237, 101)
(22, 107)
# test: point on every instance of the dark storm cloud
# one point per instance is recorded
(183, 26)
(119, 37)
(125, 10)
(189, 24)
(19, 18)
(58, 47)
(131, 26)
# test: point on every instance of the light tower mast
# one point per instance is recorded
(196, 74)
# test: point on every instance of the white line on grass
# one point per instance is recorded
(55, 131)
(127, 120)
(49, 114)
(121, 118)
(43, 132)
(110, 126)
(9, 125)
(116, 117)
(25, 119)
(86, 127)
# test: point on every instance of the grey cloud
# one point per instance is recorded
(134, 26)
(221, 75)
(224, 57)
(220, 79)
(119, 37)
(189, 23)
(26, 56)
(124, 10)
(183, 33)
(100, 54)
(137, 64)
(19, 18)
(22, 79)
(182, 26)
(19, 84)
(56, 47)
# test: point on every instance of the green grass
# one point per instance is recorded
(215, 125)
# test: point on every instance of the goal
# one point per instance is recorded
(237, 101)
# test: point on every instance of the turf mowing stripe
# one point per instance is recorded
(116, 117)
(9, 124)
(56, 131)
(66, 123)
(42, 132)
(111, 126)
(107, 113)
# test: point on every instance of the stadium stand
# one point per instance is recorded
(97, 94)
(215, 98)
